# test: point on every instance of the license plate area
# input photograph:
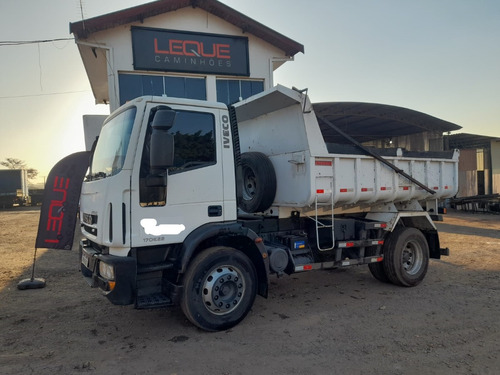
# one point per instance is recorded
(88, 257)
(85, 260)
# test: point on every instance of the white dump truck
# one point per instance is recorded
(198, 203)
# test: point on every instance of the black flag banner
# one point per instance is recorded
(56, 227)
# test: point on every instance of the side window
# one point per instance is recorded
(194, 147)
(194, 138)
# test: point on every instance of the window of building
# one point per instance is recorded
(230, 91)
(135, 85)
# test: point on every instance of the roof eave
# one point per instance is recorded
(82, 29)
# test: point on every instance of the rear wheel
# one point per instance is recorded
(378, 272)
(406, 256)
(219, 288)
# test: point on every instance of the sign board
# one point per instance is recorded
(181, 51)
(61, 198)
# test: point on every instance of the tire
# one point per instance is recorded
(406, 256)
(219, 288)
(259, 182)
(378, 272)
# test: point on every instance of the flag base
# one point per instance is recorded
(33, 283)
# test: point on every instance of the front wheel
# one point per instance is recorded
(406, 256)
(219, 288)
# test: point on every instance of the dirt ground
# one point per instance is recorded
(320, 322)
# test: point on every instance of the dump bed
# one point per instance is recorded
(281, 123)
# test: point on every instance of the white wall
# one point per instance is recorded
(92, 125)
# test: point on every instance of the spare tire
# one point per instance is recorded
(259, 182)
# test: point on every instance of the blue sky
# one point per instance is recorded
(441, 57)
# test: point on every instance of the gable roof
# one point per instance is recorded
(82, 29)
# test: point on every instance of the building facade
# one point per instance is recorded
(198, 49)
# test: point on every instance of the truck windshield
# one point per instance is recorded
(111, 149)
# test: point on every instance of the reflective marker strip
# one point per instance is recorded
(307, 267)
(326, 163)
(345, 190)
(346, 244)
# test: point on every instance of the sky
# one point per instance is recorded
(440, 57)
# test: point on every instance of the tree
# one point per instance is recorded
(13, 163)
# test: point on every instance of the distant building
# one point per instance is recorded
(479, 166)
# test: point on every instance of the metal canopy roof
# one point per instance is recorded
(84, 28)
(370, 121)
(470, 141)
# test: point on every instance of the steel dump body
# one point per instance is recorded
(282, 124)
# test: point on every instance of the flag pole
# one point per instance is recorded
(32, 283)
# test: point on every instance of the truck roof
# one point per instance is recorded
(178, 101)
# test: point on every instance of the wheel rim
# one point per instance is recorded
(249, 184)
(412, 257)
(223, 289)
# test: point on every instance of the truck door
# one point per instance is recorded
(194, 191)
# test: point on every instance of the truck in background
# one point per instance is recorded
(14, 188)
(196, 204)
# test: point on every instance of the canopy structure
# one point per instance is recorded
(370, 121)
(470, 141)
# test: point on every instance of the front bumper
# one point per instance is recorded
(120, 290)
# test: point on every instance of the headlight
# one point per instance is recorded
(107, 271)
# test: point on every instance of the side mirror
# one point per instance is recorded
(164, 119)
(162, 143)
(161, 147)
